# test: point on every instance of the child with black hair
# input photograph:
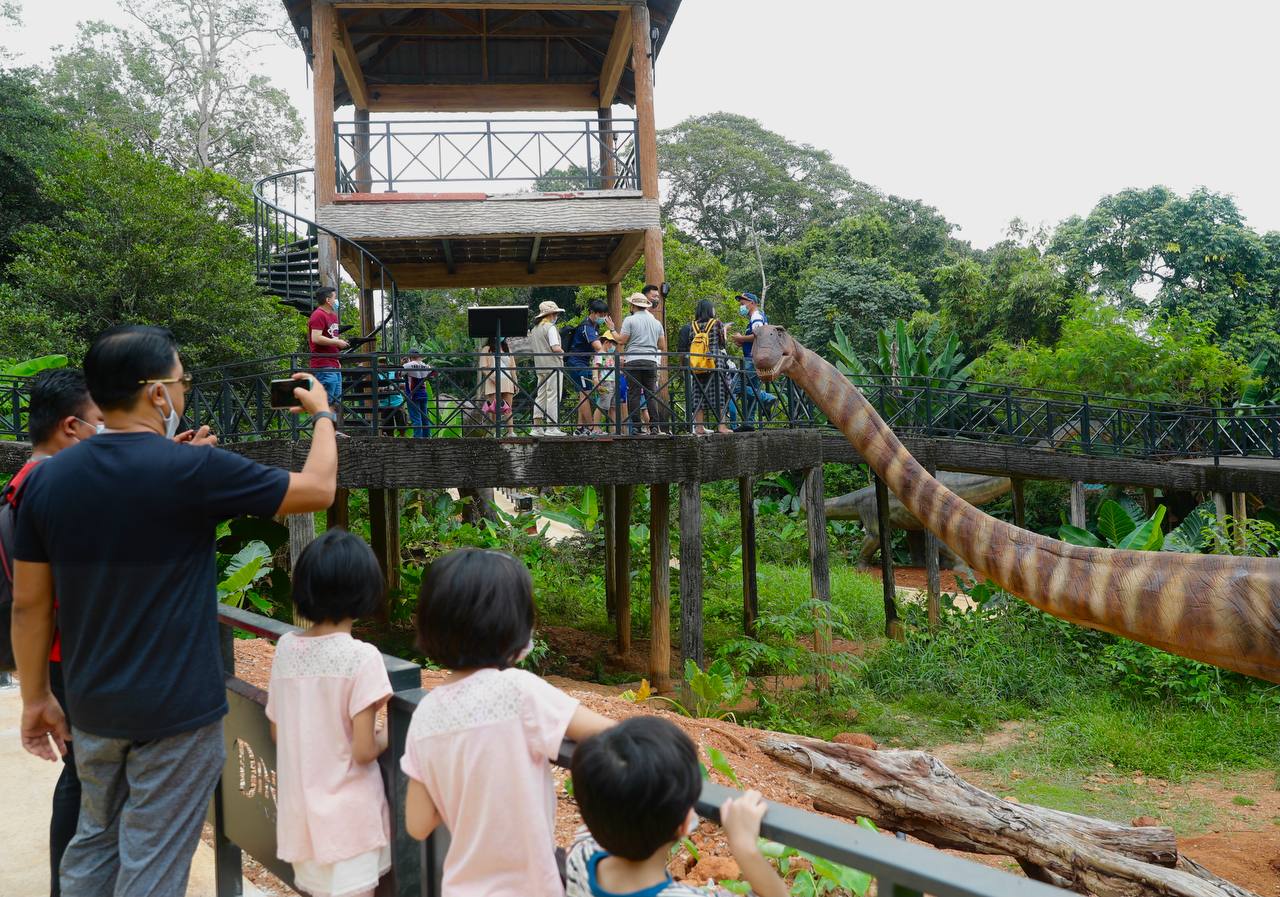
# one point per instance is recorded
(325, 693)
(636, 785)
(479, 749)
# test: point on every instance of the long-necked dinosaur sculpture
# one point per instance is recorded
(1220, 610)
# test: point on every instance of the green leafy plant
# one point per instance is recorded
(720, 763)
(1119, 525)
(715, 691)
(583, 516)
(899, 357)
(822, 876)
(242, 571)
(33, 366)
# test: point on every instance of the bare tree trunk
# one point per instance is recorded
(915, 793)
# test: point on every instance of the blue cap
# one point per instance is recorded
(750, 296)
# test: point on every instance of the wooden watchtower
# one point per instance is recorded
(541, 185)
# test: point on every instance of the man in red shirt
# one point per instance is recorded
(61, 414)
(322, 330)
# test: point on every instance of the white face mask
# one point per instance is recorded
(96, 428)
(170, 418)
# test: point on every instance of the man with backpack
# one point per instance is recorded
(749, 308)
(60, 413)
(581, 344)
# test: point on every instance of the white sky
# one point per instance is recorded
(987, 109)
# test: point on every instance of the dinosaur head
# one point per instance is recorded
(773, 351)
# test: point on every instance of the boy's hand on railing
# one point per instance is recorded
(740, 818)
(312, 399)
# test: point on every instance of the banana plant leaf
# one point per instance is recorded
(33, 366)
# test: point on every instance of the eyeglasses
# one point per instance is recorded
(185, 380)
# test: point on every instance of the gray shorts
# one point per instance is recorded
(142, 805)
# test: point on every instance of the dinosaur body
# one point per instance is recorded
(1216, 609)
(860, 505)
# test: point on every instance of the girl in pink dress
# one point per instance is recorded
(479, 749)
(326, 690)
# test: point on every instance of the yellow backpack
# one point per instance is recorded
(700, 357)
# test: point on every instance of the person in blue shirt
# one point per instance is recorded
(749, 308)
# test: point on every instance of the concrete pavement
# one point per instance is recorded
(26, 790)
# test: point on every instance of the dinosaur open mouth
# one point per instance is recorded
(771, 372)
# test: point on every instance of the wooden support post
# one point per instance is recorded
(323, 26)
(302, 532)
(1019, 502)
(819, 571)
(647, 138)
(339, 514)
(691, 647)
(607, 494)
(892, 628)
(392, 561)
(1078, 513)
(614, 294)
(750, 588)
(660, 587)
(1240, 511)
(608, 162)
(932, 576)
(1222, 505)
(622, 546)
(364, 166)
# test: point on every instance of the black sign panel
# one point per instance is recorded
(249, 779)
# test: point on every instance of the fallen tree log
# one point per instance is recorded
(916, 793)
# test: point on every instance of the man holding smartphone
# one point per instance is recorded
(122, 527)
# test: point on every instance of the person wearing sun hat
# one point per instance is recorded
(644, 344)
(548, 361)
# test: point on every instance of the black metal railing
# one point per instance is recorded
(289, 258)
(244, 808)
(544, 154)
(454, 401)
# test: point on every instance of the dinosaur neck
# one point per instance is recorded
(1220, 610)
(964, 528)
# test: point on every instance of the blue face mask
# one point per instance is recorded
(742, 310)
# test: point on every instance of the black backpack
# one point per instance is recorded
(568, 333)
(8, 522)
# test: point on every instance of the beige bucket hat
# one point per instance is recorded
(548, 308)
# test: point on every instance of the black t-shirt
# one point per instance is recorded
(127, 522)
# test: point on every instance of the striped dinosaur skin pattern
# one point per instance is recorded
(1217, 609)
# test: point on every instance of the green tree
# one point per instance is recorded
(1010, 293)
(183, 84)
(731, 183)
(1196, 251)
(136, 242)
(1118, 353)
(861, 297)
(31, 134)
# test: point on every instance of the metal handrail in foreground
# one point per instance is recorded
(553, 154)
(244, 806)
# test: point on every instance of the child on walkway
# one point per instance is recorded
(636, 785)
(480, 744)
(325, 693)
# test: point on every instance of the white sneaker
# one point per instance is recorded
(537, 431)
(553, 431)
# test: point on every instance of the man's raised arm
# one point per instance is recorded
(313, 488)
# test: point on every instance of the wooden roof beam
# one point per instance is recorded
(447, 248)
(615, 59)
(624, 256)
(483, 97)
(533, 254)
(349, 62)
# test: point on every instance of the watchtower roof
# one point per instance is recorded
(530, 55)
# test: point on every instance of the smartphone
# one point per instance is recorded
(282, 392)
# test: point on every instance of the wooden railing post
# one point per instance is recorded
(892, 628)
(659, 587)
(819, 571)
(691, 647)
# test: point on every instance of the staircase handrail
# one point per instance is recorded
(313, 227)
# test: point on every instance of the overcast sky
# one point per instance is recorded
(987, 110)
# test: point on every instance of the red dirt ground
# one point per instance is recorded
(1249, 858)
